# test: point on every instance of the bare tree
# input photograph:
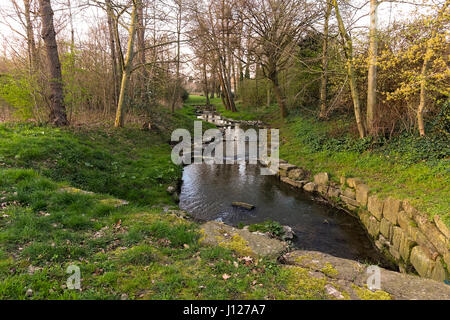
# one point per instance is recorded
(58, 114)
(213, 28)
(277, 26)
(112, 49)
(372, 73)
(128, 64)
(348, 51)
(442, 15)
(324, 79)
(179, 11)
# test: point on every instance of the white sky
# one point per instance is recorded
(388, 12)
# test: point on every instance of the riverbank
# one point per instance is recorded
(96, 198)
(416, 240)
(406, 167)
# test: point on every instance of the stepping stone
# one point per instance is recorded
(243, 205)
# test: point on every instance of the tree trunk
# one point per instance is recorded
(112, 48)
(58, 114)
(422, 95)
(205, 88)
(213, 85)
(32, 60)
(424, 72)
(348, 50)
(324, 80)
(72, 30)
(175, 97)
(127, 68)
(372, 74)
(141, 48)
(278, 94)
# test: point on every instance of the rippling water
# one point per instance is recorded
(209, 189)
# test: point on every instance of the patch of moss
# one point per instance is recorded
(366, 294)
(238, 245)
(329, 270)
(299, 282)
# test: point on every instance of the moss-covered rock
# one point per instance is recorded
(242, 241)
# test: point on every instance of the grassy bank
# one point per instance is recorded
(405, 167)
(142, 250)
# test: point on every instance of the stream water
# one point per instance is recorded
(208, 191)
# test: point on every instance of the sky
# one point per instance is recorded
(388, 13)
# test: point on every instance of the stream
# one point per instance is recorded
(208, 191)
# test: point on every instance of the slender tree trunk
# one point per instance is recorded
(213, 85)
(372, 74)
(141, 47)
(32, 54)
(72, 30)
(278, 94)
(422, 95)
(175, 97)
(30, 37)
(348, 50)
(112, 48)
(58, 114)
(324, 80)
(424, 72)
(206, 90)
(127, 68)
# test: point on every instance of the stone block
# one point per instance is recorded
(294, 183)
(439, 241)
(375, 206)
(296, 174)
(333, 192)
(391, 209)
(349, 193)
(404, 221)
(447, 260)
(323, 189)
(409, 209)
(441, 226)
(351, 203)
(321, 178)
(421, 262)
(386, 229)
(423, 241)
(405, 248)
(394, 252)
(284, 168)
(364, 216)
(310, 187)
(353, 182)
(373, 227)
(397, 236)
(362, 193)
(438, 272)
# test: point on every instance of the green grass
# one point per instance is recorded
(269, 226)
(387, 170)
(243, 112)
(130, 164)
(137, 250)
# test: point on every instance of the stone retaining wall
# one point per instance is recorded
(402, 233)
